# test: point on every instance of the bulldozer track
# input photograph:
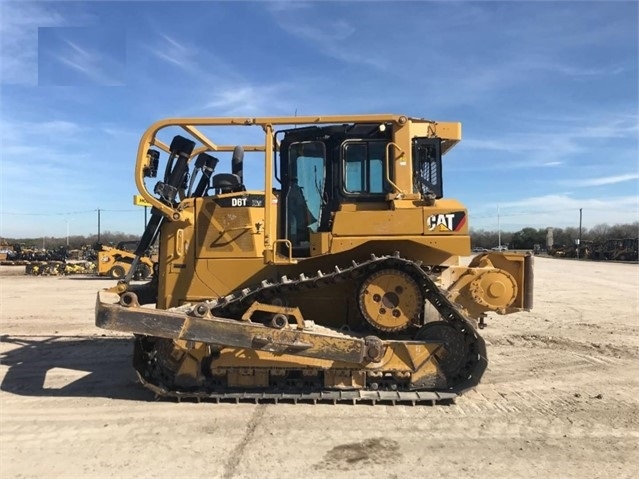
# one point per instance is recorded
(233, 305)
(351, 396)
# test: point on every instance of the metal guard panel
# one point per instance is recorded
(378, 223)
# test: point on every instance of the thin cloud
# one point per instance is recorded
(564, 200)
(588, 72)
(335, 31)
(535, 48)
(94, 59)
(588, 67)
(14, 130)
(336, 39)
(563, 28)
(171, 51)
(241, 97)
(49, 141)
(250, 99)
(64, 172)
(558, 143)
(19, 25)
(78, 49)
(193, 61)
(279, 6)
(556, 210)
(224, 90)
(89, 69)
(606, 180)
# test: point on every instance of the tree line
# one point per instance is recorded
(526, 238)
(75, 241)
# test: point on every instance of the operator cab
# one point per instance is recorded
(322, 168)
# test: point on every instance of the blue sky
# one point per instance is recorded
(546, 92)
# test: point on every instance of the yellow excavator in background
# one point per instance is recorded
(339, 280)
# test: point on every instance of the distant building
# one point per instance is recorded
(549, 239)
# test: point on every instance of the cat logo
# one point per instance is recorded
(444, 222)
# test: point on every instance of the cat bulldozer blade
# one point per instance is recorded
(337, 279)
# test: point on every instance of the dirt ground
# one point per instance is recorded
(560, 398)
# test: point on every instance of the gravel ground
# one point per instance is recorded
(559, 399)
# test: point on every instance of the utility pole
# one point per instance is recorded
(98, 225)
(67, 221)
(498, 230)
(579, 245)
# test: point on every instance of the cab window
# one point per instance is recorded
(364, 167)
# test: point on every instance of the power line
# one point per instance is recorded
(68, 213)
(523, 213)
(8, 213)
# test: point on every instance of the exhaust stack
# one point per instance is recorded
(237, 163)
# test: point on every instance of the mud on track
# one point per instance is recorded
(559, 398)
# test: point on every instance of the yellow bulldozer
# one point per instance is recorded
(338, 280)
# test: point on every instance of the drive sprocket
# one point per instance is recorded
(390, 300)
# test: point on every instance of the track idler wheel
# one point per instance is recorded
(455, 353)
(390, 300)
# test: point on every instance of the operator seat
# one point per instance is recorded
(227, 183)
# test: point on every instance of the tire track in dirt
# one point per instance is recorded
(558, 398)
(547, 341)
(238, 451)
